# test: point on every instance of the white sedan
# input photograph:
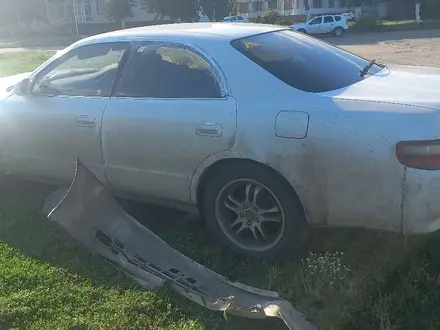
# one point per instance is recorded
(263, 130)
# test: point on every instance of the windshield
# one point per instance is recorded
(304, 62)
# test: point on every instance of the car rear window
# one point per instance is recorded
(304, 62)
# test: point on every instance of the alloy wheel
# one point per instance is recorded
(250, 215)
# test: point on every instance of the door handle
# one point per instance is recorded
(85, 121)
(209, 129)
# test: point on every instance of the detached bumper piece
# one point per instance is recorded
(95, 219)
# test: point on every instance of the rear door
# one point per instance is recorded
(328, 24)
(168, 114)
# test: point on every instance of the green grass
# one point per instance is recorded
(47, 281)
(406, 25)
(16, 62)
(403, 25)
(39, 42)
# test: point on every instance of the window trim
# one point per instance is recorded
(217, 72)
(42, 71)
(100, 8)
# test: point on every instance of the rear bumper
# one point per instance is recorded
(421, 201)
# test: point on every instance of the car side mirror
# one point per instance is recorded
(22, 88)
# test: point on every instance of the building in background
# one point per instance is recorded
(293, 10)
(91, 17)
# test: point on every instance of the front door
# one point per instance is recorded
(315, 25)
(167, 116)
(42, 134)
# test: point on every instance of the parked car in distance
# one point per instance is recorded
(265, 131)
(236, 19)
(349, 15)
(324, 24)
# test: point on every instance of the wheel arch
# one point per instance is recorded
(209, 172)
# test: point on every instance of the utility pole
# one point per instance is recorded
(75, 16)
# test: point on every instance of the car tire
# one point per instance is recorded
(293, 228)
(338, 31)
(302, 31)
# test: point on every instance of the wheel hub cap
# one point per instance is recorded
(251, 216)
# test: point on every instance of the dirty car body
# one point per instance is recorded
(226, 117)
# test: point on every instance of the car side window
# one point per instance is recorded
(165, 71)
(87, 71)
(239, 18)
(317, 20)
(233, 18)
(328, 19)
(337, 18)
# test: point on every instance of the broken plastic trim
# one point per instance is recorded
(94, 218)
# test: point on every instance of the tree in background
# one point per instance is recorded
(184, 10)
(216, 9)
(271, 16)
(118, 10)
(189, 10)
(307, 8)
(26, 11)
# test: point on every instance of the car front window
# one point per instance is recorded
(303, 62)
(316, 21)
(86, 71)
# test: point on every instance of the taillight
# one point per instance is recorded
(423, 155)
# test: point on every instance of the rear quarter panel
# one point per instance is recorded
(344, 171)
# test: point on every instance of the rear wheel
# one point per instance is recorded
(338, 31)
(254, 212)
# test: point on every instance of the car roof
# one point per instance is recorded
(188, 32)
(327, 15)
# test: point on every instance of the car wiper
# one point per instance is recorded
(367, 68)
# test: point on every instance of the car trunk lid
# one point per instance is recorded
(406, 85)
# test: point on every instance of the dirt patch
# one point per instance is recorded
(403, 47)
